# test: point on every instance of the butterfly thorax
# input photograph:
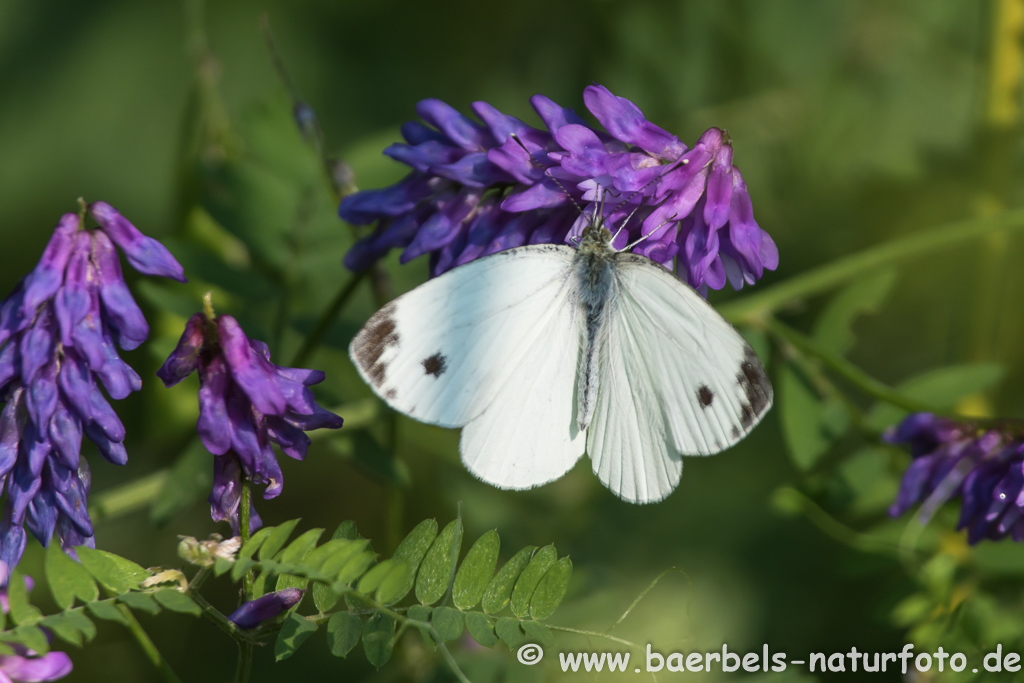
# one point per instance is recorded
(594, 272)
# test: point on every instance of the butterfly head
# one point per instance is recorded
(595, 238)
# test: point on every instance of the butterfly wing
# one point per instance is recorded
(675, 379)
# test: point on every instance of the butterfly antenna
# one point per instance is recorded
(674, 166)
(545, 169)
(629, 247)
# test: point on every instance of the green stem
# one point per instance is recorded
(845, 368)
(323, 324)
(244, 667)
(148, 646)
(754, 307)
(135, 495)
(790, 499)
(243, 526)
(594, 634)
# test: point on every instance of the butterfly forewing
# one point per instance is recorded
(442, 352)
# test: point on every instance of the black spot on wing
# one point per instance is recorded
(435, 365)
(367, 348)
(757, 390)
(705, 396)
(391, 394)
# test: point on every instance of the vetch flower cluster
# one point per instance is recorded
(984, 467)
(476, 189)
(58, 331)
(246, 404)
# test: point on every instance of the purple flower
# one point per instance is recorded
(25, 665)
(255, 612)
(475, 189)
(59, 332)
(246, 403)
(984, 467)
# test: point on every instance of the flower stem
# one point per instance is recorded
(323, 324)
(751, 308)
(244, 661)
(148, 646)
(243, 526)
(790, 499)
(845, 369)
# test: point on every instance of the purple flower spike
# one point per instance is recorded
(25, 666)
(246, 404)
(255, 612)
(469, 179)
(57, 349)
(985, 468)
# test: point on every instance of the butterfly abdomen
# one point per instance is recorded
(594, 272)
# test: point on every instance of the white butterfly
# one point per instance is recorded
(543, 352)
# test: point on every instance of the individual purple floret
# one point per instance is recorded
(985, 467)
(246, 403)
(58, 331)
(477, 188)
(255, 612)
(25, 666)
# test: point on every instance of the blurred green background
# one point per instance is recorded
(854, 123)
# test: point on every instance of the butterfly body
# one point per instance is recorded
(544, 352)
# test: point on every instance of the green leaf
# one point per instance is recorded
(140, 601)
(107, 610)
(416, 544)
(67, 579)
(343, 632)
(316, 558)
(324, 598)
(378, 638)
(355, 567)
(941, 389)
(296, 551)
(17, 596)
(337, 561)
(476, 571)
(346, 530)
(499, 590)
(30, 636)
(256, 542)
(114, 572)
(276, 540)
(176, 601)
(390, 590)
(222, 566)
(438, 566)
(372, 578)
(188, 482)
(833, 329)
(481, 627)
(531, 576)
(419, 613)
(510, 633)
(77, 620)
(63, 628)
(810, 424)
(448, 622)
(539, 633)
(551, 590)
(294, 631)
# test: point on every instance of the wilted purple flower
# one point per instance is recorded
(25, 665)
(985, 467)
(58, 331)
(255, 612)
(246, 403)
(476, 189)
